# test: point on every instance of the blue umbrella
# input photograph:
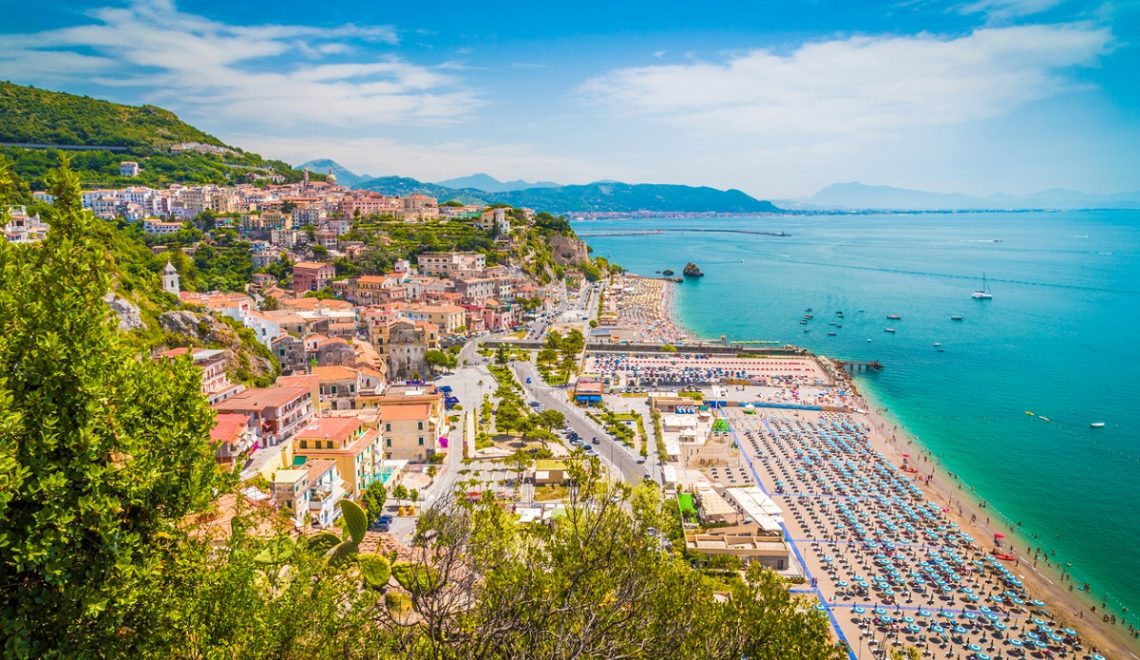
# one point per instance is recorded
(858, 610)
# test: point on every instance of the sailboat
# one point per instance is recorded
(984, 292)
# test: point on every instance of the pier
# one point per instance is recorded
(853, 366)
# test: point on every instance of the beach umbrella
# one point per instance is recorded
(960, 630)
(1015, 642)
(858, 610)
(974, 647)
(1070, 631)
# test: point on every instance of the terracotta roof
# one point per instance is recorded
(317, 468)
(400, 411)
(310, 265)
(228, 426)
(259, 398)
(334, 373)
(330, 428)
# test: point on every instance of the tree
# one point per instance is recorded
(551, 419)
(101, 454)
(520, 460)
(501, 355)
(436, 358)
(400, 492)
(373, 499)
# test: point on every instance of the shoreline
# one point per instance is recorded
(950, 491)
(1076, 608)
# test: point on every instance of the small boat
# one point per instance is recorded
(956, 317)
(1097, 425)
(1044, 418)
(808, 316)
(803, 321)
(937, 344)
(940, 350)
(894, 317)
(984, 292)
(1029, 412)
(807, 330)
(868, 339)
(839, 325)
(808, 309)
(831, 334)
(890, 330)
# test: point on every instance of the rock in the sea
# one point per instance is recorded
(691, 270)
(129, 316)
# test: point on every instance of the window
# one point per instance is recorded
(421, 441)
(304, 444)
(334, 389)
(388, 442)
(388, 426)
(419, 426)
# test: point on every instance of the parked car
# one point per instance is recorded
(596, 441)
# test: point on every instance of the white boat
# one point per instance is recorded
(937, 344)
(891, 330)
(984, 292)
(1097, 425)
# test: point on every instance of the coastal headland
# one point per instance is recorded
(895, 548)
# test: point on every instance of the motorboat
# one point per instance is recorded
(894, 317)
(890, 330)
(956, 317)
(1097, 425)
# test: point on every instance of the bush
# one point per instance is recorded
(418, 580)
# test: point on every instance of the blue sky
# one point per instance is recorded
(776, 98)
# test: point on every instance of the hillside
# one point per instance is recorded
(28, 114)
(601, 196)
(145, 134)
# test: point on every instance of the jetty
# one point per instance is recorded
(854, 366)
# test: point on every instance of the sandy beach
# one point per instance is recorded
(645, 311)
(1072, 607)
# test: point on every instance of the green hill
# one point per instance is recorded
(28, 114)
(100, 134)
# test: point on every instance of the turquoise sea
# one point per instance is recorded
(1061, 338)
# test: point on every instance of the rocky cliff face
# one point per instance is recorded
(129, 316)
(243, 363)
(568, 250)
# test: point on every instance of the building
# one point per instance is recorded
(405, 345)
(412, 422)
(24, 228)
(588, 392)
(450, 319)
(743, 542)
(417, 208)
(170, 279)
(128, 168)
(549, 471)
(280, 411)
(326, 490)
(291, 493)
(311, 276)
(211, 362)
(339, 386)
(451, 264)
(236, 437)
(355, 448)
(156, 226)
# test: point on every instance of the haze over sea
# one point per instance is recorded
(1059, 339)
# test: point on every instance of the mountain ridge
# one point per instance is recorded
(854, 195)
(487, 183)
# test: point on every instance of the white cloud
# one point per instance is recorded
(859, 87)
(271, 74)
(999, 10)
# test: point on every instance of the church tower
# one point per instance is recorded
(170, 279)
(331, 177)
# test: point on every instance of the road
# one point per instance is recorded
(619, 457)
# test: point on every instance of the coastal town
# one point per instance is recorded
(449, 376)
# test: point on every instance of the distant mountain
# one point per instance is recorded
(488, 183)
(857, 195)
(606, 197)
(344, 176)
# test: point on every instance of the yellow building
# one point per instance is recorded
(345, 440)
